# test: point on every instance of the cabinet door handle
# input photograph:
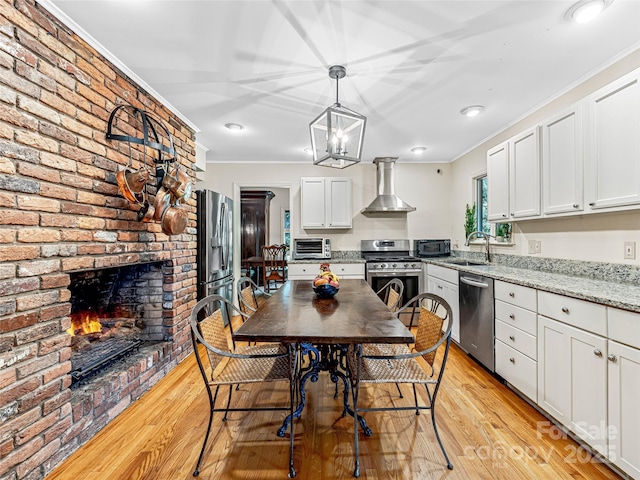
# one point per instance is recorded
(592, 204)
(512, 360)
(597, 352)
(612, 358)
(565, 310)
(511, 294)
(512, 316)
(512, 338)
(440, 287)
(575, 205)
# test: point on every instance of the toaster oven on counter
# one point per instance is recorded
(311, 248)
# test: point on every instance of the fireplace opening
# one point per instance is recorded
(113, 312)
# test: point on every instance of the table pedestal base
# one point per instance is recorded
(324, 358)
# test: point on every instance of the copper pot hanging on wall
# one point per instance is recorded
(174, 220)
(132, 184)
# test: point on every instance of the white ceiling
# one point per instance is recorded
(411, 65)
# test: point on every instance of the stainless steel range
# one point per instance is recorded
(387, 259)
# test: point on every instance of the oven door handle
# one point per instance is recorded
(396, 274)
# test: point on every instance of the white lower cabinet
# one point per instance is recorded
(572, 379)
(624, 407)
(624, 390)
(579, 361)
(308, 271)
(444, 282)
(516, 347)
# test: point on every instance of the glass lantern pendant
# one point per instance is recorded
(337, 133)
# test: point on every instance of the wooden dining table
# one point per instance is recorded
(323, 329)
(253, 265)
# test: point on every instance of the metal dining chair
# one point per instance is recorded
(432, 346)
(248, 293)
(226, 364)
(391, 294)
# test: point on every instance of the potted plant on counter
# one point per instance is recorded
(503, 232)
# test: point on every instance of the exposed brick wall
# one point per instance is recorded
(60, 212)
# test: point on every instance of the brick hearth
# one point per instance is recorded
(61, 212)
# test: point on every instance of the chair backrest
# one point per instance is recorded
(208, 320)
(391, 294)
(273, 261)
(247, 300)
(432, 311)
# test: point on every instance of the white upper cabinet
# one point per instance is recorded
(513, 173)
(326, 202)
(498, 182)
(562, 162)
(524, 174)
(613, 144)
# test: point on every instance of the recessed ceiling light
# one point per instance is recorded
(586, 10)
(419, 150)
(234, 127)
(472, 110)
(308, 151)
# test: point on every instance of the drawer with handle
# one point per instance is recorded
(588, 316)
(521, 341)
(519, 295)
(525, 320)
(517, 369)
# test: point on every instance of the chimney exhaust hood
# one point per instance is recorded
(387, 201)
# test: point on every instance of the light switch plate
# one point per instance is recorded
(629, 250)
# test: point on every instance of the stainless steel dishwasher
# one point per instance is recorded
(477, 317)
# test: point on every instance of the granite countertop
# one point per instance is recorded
(337, 256)
(619, 294)
(328, 260)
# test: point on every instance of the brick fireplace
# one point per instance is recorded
(63, 221)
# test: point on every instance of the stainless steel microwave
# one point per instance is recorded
(310, 248)
(431, 248)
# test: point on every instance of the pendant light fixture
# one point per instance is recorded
(338, 133)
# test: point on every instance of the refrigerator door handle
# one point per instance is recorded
(223, 216)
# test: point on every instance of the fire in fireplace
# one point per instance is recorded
(113, 312)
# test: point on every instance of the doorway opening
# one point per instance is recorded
(264, 219)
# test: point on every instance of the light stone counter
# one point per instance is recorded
(608, 284)
(346, 256)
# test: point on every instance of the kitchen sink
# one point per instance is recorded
(466, 263)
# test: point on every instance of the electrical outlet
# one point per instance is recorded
(534, 247)
(629, 250)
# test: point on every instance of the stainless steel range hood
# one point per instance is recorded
(387, 201)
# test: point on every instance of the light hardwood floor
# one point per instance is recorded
(488, 431)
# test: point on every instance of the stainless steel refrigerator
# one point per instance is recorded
(215, 244)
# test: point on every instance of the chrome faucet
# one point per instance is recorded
(486, 237)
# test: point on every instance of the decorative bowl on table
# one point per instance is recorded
(325, 291)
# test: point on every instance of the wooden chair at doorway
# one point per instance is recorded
(274, 265)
